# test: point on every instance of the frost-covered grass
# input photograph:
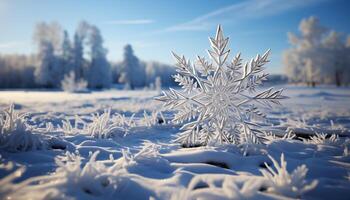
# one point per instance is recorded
(102, 127)
(81, 156)
(15, 133)
(280, 181)
(321, 138)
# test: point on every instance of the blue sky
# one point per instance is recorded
(157, 27)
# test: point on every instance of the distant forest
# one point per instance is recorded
(84, 55)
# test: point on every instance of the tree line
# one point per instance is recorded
(318, 55)
(84, 55)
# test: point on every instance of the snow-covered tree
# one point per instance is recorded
(78, 50)
(156, 69)
(324, 48)
(78, 59)
(70, 84)
(56, 56)
(158, 84)
(152, 70)
(48, 38)
(99, 71)
(131, 72)
(67, 54)
(48, 32)
(336, 52)
(312, 73)
(49, 71)
(89, 56)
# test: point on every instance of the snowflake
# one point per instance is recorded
(216, 99)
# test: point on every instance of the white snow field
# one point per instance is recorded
(118, 144)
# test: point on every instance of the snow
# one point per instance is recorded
(23, 97)
(143, 162)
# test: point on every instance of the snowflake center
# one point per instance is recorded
(221, 99)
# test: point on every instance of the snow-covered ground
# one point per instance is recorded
(125, 150)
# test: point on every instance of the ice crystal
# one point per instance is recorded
(218, 98)
(283, 183)
(206, 187)
(73, 179)
(103, 127)
(321, 138)
(148, 156)
(269, 137)
(69, 128)
(154, 118)
(15, 133)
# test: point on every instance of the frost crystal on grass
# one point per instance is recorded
(218, 98)
(321, 138)
(103, 127)
(73, 179)
(269, 137)
(283, 183)
(148, 156)
(15, 133)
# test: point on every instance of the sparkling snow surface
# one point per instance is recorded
(141, 162)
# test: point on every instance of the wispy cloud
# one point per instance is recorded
(130, 22)
(12, 44)
(249, 9)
